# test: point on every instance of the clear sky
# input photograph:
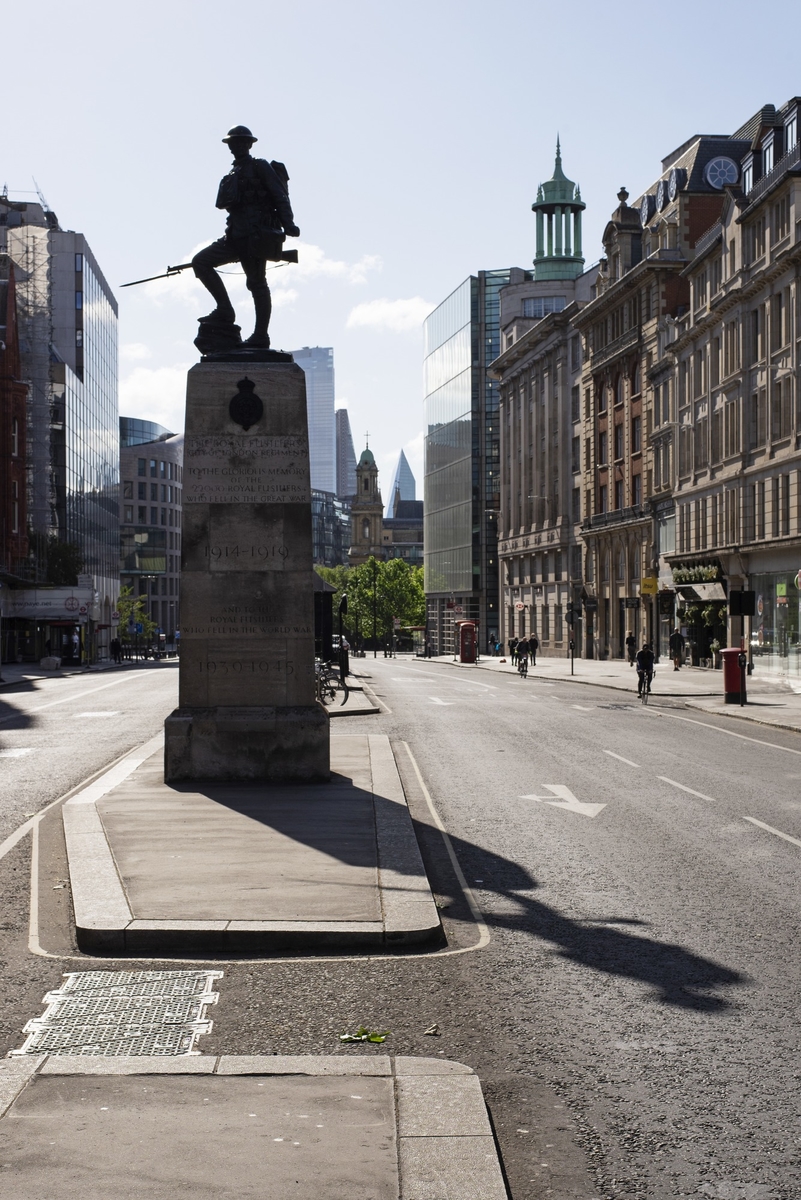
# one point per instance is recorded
(415, 135)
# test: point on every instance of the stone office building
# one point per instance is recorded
(539, 371)
(737, 355)
(628, 391)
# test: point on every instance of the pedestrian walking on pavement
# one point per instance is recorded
(533, 647)
(631, 647)
(676, 645)
(513, 649)
(116, 650)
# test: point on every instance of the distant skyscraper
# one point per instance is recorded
(346, 456)
(318, 365)
(403, 485)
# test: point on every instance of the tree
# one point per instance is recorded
(134, 608)
(398, 592)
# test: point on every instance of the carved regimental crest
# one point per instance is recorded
(246, 407)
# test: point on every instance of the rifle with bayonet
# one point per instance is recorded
(285, 256)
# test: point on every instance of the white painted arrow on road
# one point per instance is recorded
(445, 703)
(566, 800)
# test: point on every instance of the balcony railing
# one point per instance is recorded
(616, 516)
(791, 159)
(611, 349)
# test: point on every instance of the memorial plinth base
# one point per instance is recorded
(268, 745)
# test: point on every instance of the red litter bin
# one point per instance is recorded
(732, 676)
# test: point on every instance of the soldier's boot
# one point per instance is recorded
(223, 314)
(262, 302)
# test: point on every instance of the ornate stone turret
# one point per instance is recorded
(558, 206)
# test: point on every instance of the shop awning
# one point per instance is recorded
(701, 591)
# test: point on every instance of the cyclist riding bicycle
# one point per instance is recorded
(645, 668)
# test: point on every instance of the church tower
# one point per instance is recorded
(366, 513)
(558, 208)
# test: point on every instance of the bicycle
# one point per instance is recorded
(329, 679)
(645, 685)
(522, 666)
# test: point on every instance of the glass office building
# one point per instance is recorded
(318, 366)
(462, 460)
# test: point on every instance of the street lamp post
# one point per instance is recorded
(375, 607)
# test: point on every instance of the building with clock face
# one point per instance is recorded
(736, 359)
(628, 392)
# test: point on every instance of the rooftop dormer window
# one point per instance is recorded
(791, 131)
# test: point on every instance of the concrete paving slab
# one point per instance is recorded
(243, 866)
(272, 1127)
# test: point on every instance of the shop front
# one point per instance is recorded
(49, 622)
(776, 624)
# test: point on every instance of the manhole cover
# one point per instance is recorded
(123, 1012)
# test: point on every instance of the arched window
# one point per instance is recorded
(619, 390)
(635, 381)
(365, 528)
(366, 484)
(621, 563)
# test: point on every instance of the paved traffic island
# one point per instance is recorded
(245, 867)
(306, 1128)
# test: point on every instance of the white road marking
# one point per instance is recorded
(444, 703)
(567, 800)
(729, 732)
(684, 788)
(15, 753)
(24, 712)
(620, 758)
(770, 829)
(77, 716)
(583, 708)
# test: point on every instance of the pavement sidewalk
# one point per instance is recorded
(294, 1128)
(243, 867)
(771, 700)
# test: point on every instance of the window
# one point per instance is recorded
(602, 448)
(781, 219)
(636, 489)
(79, 300)
(154, 491)
(365, 530)
(163, 470)
(78, 264)
(557, 564)
(575, 355)
(127, 490)
(619, 390)
(748, 177)
(141, 467)
(154, 516)
(757, 423)
(575, 404)
(546, 622)
(635, 381)
(576, 454)
(781, 410)
(154, 473)
(776, 322)
(716, 275)
(732, 427)
(621, 564)
(732, 257)
(575, 511)
(791, 133)
(601, 399)
(15, 438)
(540, 306)
(128, 514)
(141, 515)
(636, 435)
(714, 362)
(618, 493)
(699, 289)
(602, 498)
(619, 441)
(141, 491)
(164, 516)
(15, 507)
(767, 159)
(163, 493)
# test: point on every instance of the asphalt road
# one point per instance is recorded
(629, 995)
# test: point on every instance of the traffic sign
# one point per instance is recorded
(140, 627)
(115, 616)
(83, 610)
(519, 605)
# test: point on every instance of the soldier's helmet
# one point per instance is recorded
(240, 131)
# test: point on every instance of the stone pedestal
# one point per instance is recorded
(247, 707)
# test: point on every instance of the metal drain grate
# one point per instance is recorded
(123, 1012)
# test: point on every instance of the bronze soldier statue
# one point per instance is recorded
(255, 195)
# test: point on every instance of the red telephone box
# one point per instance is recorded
(467, 641)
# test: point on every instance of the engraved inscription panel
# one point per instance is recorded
(225, 469)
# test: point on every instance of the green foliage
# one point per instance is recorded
(714, 613)
(398, 593)
(692, 614)
(134, 606)
(696, 574)
(61, 562)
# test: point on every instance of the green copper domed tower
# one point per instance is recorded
(558, 206)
